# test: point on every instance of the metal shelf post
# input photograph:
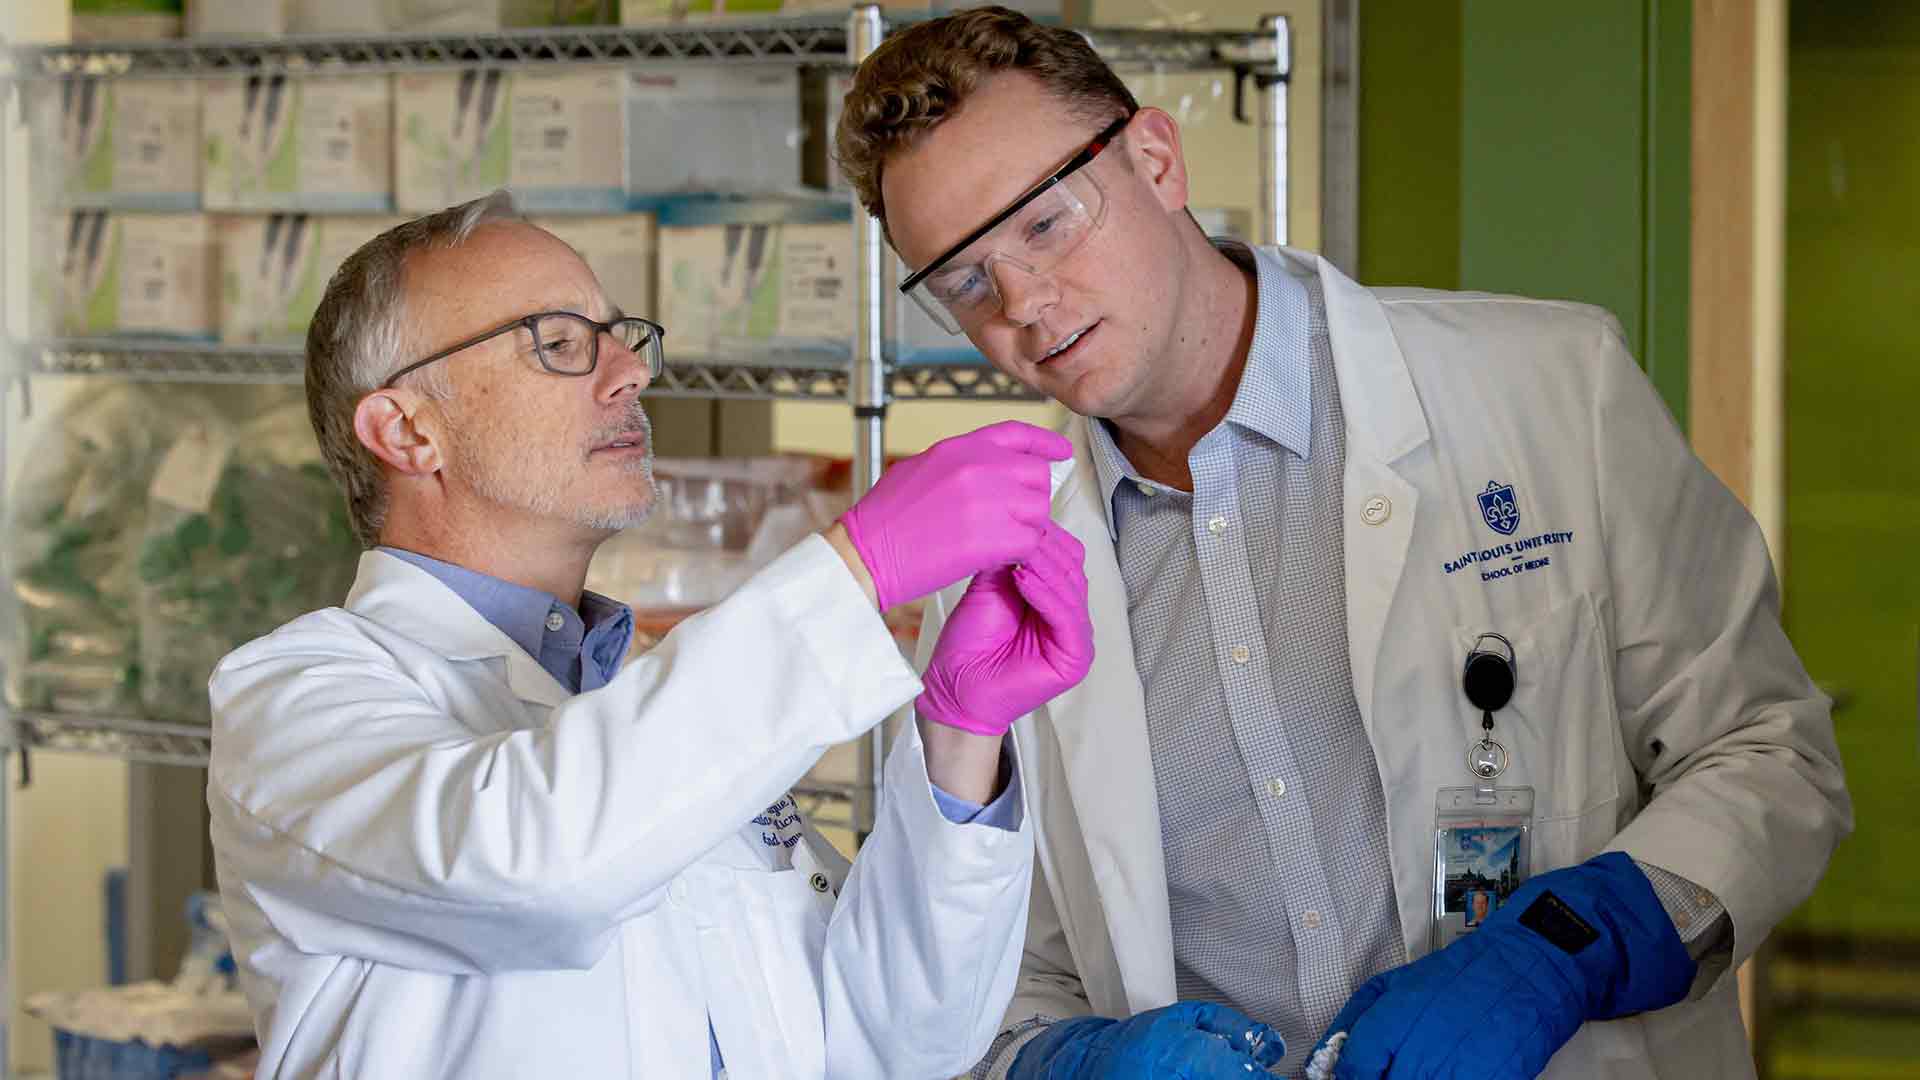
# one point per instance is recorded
(867, 388)
(1271, 84)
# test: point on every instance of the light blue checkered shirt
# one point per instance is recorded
(1278, 879)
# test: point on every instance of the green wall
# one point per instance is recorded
(1541, 149)
(1853, 514)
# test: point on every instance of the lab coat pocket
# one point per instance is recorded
(775, 939)
(1561, 730)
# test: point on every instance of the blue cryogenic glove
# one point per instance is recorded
(1590, 942)
(1188, 1040)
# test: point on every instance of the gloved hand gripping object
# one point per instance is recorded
(1590, 942)
(1188, 1040)
(1019, 637)
(965, 504)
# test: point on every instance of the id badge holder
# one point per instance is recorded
(1482, 850)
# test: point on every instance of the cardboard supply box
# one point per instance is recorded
(735, 292)
(637, 12)
(553, 138)
(136, 274)
(124, 20)
(275, 267)
(621, 250)
(733, 130)
(131, 144)
(748, 280)
(440, 16)
(640, 12)
(303, 142)
(239, 18)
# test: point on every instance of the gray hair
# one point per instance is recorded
(361, 333)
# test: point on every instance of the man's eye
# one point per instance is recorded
(959, 288)
(558, 346)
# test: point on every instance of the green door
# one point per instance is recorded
(1540, 149)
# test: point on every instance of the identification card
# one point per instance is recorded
(1482, 845)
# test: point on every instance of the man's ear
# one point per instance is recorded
(388, 424)
(1152, 144)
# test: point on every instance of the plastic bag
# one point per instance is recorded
(245, 531)
(73, 537)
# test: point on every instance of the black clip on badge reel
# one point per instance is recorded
(1488, 680)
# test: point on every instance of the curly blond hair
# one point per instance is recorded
(923, 75)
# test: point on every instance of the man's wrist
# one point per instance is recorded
(842, 544)
(960, 763)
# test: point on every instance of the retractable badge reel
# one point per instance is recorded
(1488, 681)
(1483, 833)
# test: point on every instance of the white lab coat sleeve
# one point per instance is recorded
(1729, 737)
(1048, 985)
(366, 821)
(924, 945)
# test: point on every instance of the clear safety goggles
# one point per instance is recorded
(1051, 221)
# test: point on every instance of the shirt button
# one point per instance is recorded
(555, 620)
(1376, 510)
(1703, 898)
(1682, 921)
(1240, 654)
(1217, 526)
(1146, 489)
(819, 882)
(1310, 920)
(1277, 788)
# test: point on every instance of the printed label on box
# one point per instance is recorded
(298, 142)
(555, 139)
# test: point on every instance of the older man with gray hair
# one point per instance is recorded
(457, 836)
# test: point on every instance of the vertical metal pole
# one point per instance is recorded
(1340, 141)
(867, 389)
(1271, 84)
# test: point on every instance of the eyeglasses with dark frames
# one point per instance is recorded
(567, 343)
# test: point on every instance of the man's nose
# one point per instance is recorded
(621, 369)
(1024, 295)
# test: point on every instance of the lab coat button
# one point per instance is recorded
(1376, 510)
(819, 882)
(555, 620)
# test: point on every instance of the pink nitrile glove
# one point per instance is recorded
(1019, 637)
(963, 505)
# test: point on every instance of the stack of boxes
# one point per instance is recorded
(218, 209)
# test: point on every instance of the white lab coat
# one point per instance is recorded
(438, 862)
(1659, 710)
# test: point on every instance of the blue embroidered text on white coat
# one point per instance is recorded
(1514, 551)
(781, 823)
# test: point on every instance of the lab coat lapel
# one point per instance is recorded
(408, 600)
(1384, 423)
(1101, 726)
